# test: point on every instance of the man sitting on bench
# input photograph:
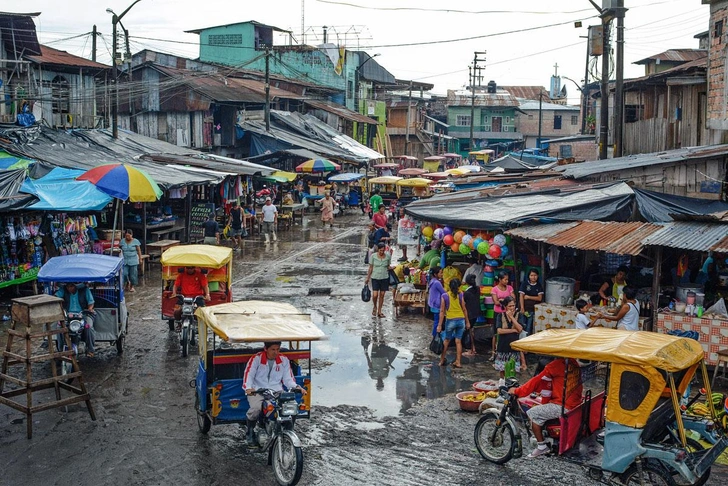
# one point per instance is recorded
(550, 383)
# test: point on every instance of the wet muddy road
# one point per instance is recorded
(371, 424)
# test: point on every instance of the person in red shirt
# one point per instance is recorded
(550, 383)
(380, 217)
(190, 283)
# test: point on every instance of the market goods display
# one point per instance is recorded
(483, 248)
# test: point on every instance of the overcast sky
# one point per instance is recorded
(547, 36)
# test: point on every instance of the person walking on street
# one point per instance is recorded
(379, 218)
(454, 321)
(327, 210)
(270, 219)
(132, 253)
(236, 224)
(374, 202)
(379, 265)
(211, 230)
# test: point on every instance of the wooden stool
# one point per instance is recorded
(722, 360)
(30, 313)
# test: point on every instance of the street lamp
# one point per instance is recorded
(116, 19)
(584, 102)
(357, 93)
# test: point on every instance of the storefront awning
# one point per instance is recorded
(60, 191)
(610, 236)
(695, 236)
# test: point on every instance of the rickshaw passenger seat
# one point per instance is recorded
(662, 416)
(230, 364)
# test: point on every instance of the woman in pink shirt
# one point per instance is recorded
(500, 291)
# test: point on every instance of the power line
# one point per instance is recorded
(449, 10)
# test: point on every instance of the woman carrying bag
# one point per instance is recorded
(455, 317)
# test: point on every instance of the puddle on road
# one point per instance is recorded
(367, 370)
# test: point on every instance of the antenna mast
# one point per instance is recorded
(303, 14)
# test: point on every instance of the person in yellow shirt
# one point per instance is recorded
(455, 318)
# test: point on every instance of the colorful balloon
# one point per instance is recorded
(448, 240)
(494, 251)
(467, 239)
(477, 241)
(438, 234)
(427, 231)
(483, 247)
(447, 230)
(428, 239)
(464, 249)
(455, 247)
(504, 251)
(459, 236)
(499, 240)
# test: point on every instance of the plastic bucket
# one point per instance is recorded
(488, 281)
(489, 313)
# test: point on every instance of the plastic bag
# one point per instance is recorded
(436, 345)
(366, 293)
(718, 309)
(407, 288)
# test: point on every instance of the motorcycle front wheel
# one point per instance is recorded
(184, 340)
(494, 442)
(287, 461)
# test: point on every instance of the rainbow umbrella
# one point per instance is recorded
(317, 165)
(123, 182)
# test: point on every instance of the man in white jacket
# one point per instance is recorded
(267, 369)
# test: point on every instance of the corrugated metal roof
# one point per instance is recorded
(694, 236)
(62, 58)
(257, 24)
(534, 105)
(499, 99)
(525, 92)
(611, 237)
(226, 89)
(371, 70)
(341, 111)
(18, 30)
(696, 68)
(675, 55)
(596, 167)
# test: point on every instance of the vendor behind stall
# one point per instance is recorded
(614, 286)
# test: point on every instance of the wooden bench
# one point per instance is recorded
(173, 233)
(143, 261)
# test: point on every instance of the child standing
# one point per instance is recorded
(582, 321)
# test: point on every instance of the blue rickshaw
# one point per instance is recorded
(102, 274)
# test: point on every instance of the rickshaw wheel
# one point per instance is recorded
(494, 442)
(651, 474)
(120, 344)
(171, 324)
(203, 420)
(184, 341)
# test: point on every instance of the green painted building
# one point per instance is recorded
(494, 118)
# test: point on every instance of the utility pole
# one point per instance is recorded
(93, 43)
(619, 85)
(604, 88)
(584, 92)
(474, 73)
(267, 89)
(407, 127)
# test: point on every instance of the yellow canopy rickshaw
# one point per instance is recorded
(414, 187)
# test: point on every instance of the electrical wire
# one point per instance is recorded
(450, 10)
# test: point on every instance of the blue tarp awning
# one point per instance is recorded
(83, 267)
(60, 191)
(346, 177)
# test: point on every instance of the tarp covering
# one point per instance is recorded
(8, 161)
(639, 348)
(11, 199)
(512, 164)
(83, 267)
(60, 191)
(256, 321)
(207, 256)
(346, 177)
(85, 149)
(611, 203)
(656, 206)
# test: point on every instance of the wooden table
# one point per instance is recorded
(293, 208)
(155, 250)
(551, 316)
(417, 300)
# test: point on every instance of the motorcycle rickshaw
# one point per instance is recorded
(635, 430)
(434, 163)
(216, 262)
(102, 274)
(232, 334)
(349, 194)
(387, 186)
(415, 188)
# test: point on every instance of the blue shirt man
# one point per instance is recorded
(75, 300)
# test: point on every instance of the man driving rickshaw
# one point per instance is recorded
(190, 283)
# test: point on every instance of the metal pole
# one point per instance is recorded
(94, 33)
(619, 85)
(604, 101)
(472, 105)
(540, 120)
(407, 127)
(115, 103)
(267, 90)
(584, 92)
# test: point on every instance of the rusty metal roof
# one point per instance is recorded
(696, 236)
(18, 31)
(675, 55)
(62, 58)
(226, 89)
(341, 111)
(525, 92)
(610, 237)
(499, 99)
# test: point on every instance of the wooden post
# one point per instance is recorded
(655, 286)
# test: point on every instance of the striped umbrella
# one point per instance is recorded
(123, 182)
(318, 165)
